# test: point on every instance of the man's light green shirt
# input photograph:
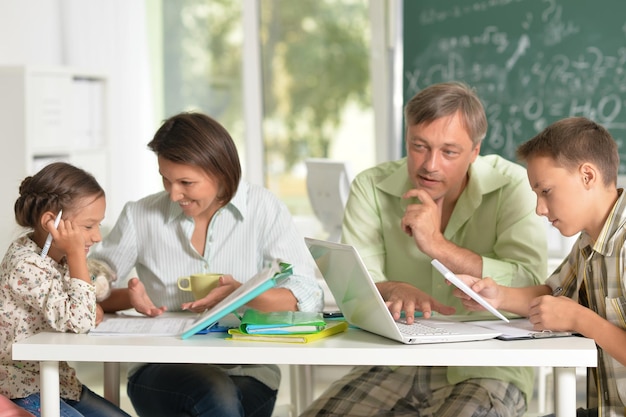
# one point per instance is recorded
(494, 217)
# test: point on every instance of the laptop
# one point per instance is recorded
(363, 306)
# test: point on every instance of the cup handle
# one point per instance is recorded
(184, 283)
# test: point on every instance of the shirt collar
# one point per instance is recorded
(239, 202)
(610, 233)
(397, 183)
(483, 179)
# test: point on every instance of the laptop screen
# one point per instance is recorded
(353, 289)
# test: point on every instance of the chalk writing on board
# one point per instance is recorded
(532, 62)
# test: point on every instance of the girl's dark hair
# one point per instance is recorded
(55, 187)
(197, 139)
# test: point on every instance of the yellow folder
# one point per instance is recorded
(332, 327)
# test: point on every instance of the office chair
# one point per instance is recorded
(328, 186)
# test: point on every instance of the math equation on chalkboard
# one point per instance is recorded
(532, 62)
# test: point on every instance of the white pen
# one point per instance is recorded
(449, 275)
(46, 246)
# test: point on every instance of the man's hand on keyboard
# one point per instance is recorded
(401, 296)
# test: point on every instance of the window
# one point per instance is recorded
(315, 58)
(202, 52)
(317, 99)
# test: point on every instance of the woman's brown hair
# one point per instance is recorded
(197, 139)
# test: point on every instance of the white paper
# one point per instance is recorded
(143, 326)
(518, 329)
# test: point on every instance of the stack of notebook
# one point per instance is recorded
(285, 326)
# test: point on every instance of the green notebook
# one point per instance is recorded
(281, 322)
(333, 327)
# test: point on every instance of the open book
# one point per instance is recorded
(128, 324)
(186, 325)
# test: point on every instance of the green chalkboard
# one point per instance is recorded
(532, 62)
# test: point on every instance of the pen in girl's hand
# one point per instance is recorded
(46, 246)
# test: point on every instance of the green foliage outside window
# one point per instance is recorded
(315, 56)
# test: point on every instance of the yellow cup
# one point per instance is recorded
(199, 284)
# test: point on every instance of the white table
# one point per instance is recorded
(355, 347)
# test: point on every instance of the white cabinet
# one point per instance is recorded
(49, 114)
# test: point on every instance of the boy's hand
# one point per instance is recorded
(401, 296)
(487, 288)
(140, 301)
(227, 284)
(558, 314)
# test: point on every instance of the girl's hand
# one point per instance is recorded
(68, 241)
(99, 314)
(67, 238)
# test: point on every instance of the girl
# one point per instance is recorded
(45, 284)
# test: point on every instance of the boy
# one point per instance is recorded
(572, 167)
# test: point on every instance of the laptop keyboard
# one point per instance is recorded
(422, 329)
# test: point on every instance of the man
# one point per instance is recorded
(473, 213)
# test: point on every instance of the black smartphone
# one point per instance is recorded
(332, 314)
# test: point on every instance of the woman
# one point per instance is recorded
(206, 220)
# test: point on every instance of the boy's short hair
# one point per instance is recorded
(572, 142)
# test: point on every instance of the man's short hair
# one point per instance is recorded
(445, 99)
(573, 141)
